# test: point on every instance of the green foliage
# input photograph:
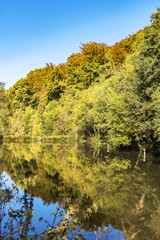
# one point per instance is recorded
(37, 125)
(56, 82)
(27, 120)
(50, 117)
(16, 123)
(107, 92)
(22, 97)
(4, 112)
(146, 82)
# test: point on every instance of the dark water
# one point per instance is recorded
(119, 190)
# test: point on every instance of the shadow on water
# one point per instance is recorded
(114, 188)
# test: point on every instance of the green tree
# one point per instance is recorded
(145, 83)
(23, 95)
(50, 117)
(27, 118)
(4, 112)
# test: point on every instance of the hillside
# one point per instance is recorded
(110, 93)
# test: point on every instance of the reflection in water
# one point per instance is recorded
(110, 189)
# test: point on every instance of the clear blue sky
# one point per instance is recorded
(35, 32)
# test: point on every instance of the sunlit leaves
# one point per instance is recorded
(4, 112)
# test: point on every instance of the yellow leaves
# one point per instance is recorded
(94, 52)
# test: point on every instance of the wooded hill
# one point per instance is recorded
(107, 92)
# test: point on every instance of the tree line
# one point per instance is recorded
(110, 93)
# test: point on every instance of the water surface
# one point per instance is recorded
(116, 189)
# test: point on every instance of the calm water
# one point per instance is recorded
(119, 190)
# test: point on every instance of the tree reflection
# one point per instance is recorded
(101, 191)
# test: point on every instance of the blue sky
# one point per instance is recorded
(35, 32)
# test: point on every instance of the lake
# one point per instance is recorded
(108, 193)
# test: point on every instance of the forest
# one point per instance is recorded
(107, 94)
